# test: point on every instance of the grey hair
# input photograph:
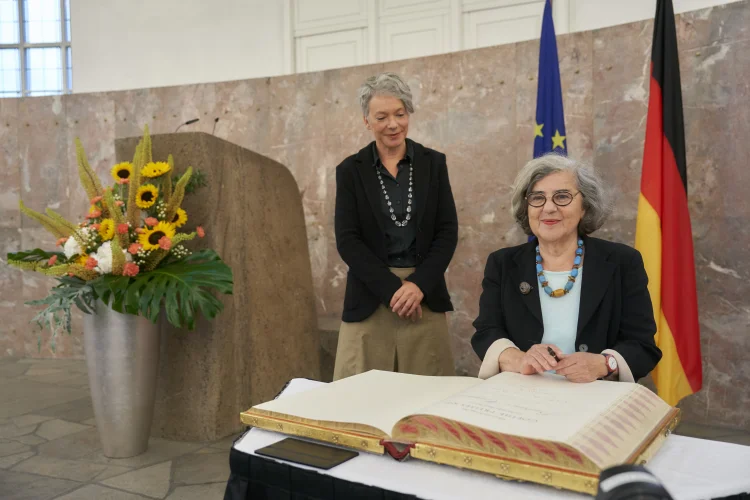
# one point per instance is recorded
(385, 84)
(596, 200)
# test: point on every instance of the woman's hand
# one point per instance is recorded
(582, 367)
(416, 315)
(535, 360)
(406, 299)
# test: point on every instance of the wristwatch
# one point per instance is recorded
(611, 363)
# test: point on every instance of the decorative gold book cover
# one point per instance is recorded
(541, 428)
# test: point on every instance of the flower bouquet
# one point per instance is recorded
(129, 250)
(125, 265)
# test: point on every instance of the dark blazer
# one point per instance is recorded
(360, 235)
(615, 310)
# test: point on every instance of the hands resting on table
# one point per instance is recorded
(576, 367)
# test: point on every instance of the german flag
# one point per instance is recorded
(663, 233)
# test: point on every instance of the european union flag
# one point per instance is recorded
(549, 130)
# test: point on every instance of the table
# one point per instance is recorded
(691, 469)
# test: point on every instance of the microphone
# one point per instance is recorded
(189, 122)
(216, 120)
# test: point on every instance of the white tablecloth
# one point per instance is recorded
(690, 468)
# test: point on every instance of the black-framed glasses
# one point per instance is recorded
(560, 198)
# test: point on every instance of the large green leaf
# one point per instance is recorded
(183, 289)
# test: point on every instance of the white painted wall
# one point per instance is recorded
(594, 14)
(125, 44)
(337, 33)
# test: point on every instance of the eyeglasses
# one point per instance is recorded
(560, 198)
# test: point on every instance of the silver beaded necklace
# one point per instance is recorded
(406, 220)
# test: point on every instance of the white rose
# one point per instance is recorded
(103, 258)
(71, 247)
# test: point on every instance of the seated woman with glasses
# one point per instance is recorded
(539, 311)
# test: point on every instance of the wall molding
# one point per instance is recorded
(429, 27)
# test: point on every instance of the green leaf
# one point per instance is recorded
(183, 289)
(197, 181)
(36, 255)
(56, 315)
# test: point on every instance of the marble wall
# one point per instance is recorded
(477, 107)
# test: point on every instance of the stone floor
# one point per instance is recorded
(49, 447)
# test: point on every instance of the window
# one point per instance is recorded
(35, 51)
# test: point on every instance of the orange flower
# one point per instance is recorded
(95, 200)
(91, 263)
(165, 243)
(96, 226)
(52, 260)
(130, 269)
(134, 247)
(151, 221)
(119, 203)
(122, 228)
(200, 231)
(94, 213)
(139, 230)
(123, 181)
(61, 242)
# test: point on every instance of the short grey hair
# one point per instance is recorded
(596, 199)
(385, 84)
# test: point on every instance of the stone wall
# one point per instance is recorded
(477, 107)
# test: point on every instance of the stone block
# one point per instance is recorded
(267, 333)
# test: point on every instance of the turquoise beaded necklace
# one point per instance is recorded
(571, 278)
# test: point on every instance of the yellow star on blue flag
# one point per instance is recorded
(549, 128)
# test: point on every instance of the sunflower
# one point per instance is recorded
(107, 229)
(122, 171)
(155, 169)
(146, 196)
(150, 237)
(180, 218)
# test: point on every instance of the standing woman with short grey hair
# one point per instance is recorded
(396, 229)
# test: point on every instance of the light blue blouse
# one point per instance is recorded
(560, 315)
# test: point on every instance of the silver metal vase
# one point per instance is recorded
(122, 355)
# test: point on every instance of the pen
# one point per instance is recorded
(552, 353)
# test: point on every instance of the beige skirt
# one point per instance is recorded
(384, 341)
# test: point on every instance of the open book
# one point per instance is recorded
(538, 428)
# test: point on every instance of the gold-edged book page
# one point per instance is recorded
(543, 407)
(370, 403)
(656, 439)
(351, 436)
(467, 439)
(519, 465)
(629, 424)
(516, 466)
(584, 482)
(540, 428)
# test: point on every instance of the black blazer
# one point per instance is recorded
(615, 310)
(360, 233)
